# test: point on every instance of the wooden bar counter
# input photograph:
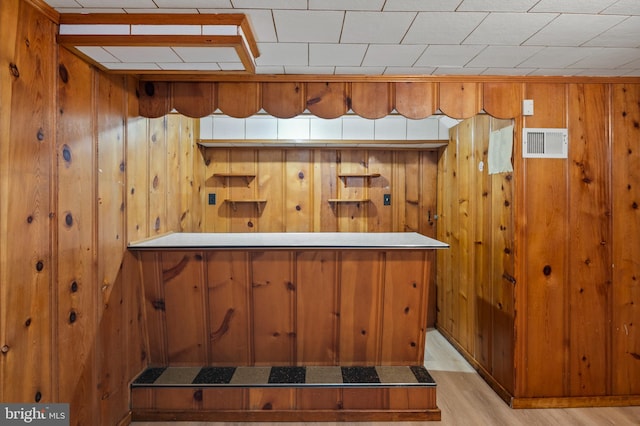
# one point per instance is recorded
(267, 300)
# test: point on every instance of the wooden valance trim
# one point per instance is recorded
(414, 100)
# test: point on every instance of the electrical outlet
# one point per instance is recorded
(386, 199)
(212, 199)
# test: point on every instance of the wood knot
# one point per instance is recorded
(149, 89)
(63, 73)
(13, 69)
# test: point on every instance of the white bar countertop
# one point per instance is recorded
(290, 241)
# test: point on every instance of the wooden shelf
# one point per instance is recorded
(258, 203)
(248, 178)
(344, 176)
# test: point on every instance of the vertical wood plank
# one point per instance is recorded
(184, 299)
(216, 215)
(360, 304)
(625, 327)
(443, 258)
(174, 183)
(158, 178)
(271, 187)
(404, 321)
(545, 239)
(379, 216)
(325, 187)
(27, 148)
(273, 307)
(77, 293)
(154, 308)
(316, 309)
(298, 195)
(229, 328)
(590, 239)
(191, 167)
(243, 217)
(352, 217)
(427, 220)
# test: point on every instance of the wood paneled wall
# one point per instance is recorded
(286, 307)
(298, 189)
(74, 190)
(475, 277)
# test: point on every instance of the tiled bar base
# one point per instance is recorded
(310, 393)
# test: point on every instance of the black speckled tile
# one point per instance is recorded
(360, 375)
(287, 375)
(149, 376)
(214, 375)
(422, 374)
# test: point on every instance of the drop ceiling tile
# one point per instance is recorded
(503, 56)
(442, 27)
(374, 27)
(308, 70)
(496, 5)
(336, 54)
(131, 66)
(191, 66)
(603, 72)
(360, 70)
(625, 34)
(124, 4)
(80, 29)
(458, 71)
(508, 71)
(448, 55)
(161, 11)
(89, 10)
(166, 29)
(231, 66)
(319, 26)
(97, 53)
(633, 64)
(624, 7)
(608, 58)
(346, 4)
(508, 28)
(207, 54)
(210, 4)
(555, 72)
(573, 29)
(392, 55)
(283, 54)
(421, 5)
(408, 70)
(143, 54)
(557, 57)
(572, 6)
(270, 70)
(63, 3)
(269, 4)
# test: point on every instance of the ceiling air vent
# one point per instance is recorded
(545, 143)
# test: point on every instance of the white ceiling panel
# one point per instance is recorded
(443, 27)
(143, 54)
(503, 56)
(608, 59)
(97, 53)
(572, 6)
(392, 55)
(448, 55)
(625, 34)
(336, 54)
(320, 26)
(132, 4)
(283, 54)
(573, 30)
(461, 37)
(508, 28)
(376, 27)
(496, 5)
(131, 65)
(375, 5)
(207, 54)
(422, 5)
(180, 66)
(558, 57)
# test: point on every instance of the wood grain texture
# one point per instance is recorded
(283, 100)
(416, 100)
(184, 93)
(626, 232)
(372, 100)
(460, 100)
(502, 100)
(239, 100)
(327, 100)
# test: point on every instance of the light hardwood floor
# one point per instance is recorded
(465, 399)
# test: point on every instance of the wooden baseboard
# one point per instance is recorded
(287, 416)
(577, 401)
